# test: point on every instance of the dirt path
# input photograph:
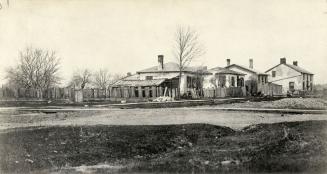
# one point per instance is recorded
(232, 119)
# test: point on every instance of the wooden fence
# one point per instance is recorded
(110, 93)
(22, 93)
(270, 89)
(86, 94)
(221, 92)
(141, 92)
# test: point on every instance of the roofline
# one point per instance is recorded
(245, 69)
(192, 72)
(298, 70)
(240, 74)
(273, 67)
(289, 67)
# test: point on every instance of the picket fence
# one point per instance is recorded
(222, 92)
(115, 93)
(270, 89)
(86, 94)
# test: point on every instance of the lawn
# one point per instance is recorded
(278, 147)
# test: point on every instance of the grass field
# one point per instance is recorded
(200, 148)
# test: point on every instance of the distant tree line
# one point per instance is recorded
(39, 69)
(101, 78)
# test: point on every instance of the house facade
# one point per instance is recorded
(166, 77)
(252, 78)
(222, 77)
(291, 77)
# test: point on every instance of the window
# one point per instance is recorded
(240, 82)
(233, 81)
(263, 79)
(189, 82)
(136, 92)
(143, 91)
(291, 86)
(150, 92)
(148, 77)
(221, 80)
(273, 73)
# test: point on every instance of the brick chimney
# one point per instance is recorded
(129, 74)
(251, 63)
(295, 63)
(228, 62)
(160, 62)
(283, 60)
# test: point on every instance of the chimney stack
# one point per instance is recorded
(295, 63)
(251, 63)
(160, 62)
(283, 60)
(129, 74)
(228, 62)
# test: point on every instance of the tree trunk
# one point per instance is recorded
(179, 85)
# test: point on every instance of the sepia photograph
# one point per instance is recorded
(163, 86)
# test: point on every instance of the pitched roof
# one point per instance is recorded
(299, 69)
(171, 67)
(154, 82)
(134, 80)
(296, 68)
(247, 69)
(221, 70)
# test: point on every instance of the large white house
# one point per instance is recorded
(165, 75)
(291, 77)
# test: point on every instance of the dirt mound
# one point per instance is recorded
(298, 103)
(291, 146)
(25, 150)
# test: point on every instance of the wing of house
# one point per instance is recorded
(252, 77)
(223, 77)
(291, 76)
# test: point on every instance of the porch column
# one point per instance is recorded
(140, 91)
(160, 91)
(132, 89)
(147, 92)
(154, 91)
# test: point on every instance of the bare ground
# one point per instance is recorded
(286, 103)
(188, 148)
(232, 119)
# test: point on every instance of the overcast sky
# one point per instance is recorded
(126, 35)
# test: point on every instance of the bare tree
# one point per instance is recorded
(116, 77)
(102, 78)
(81, 78)
(36, 69)
(187, 48)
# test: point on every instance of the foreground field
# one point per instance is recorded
(279, 147)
